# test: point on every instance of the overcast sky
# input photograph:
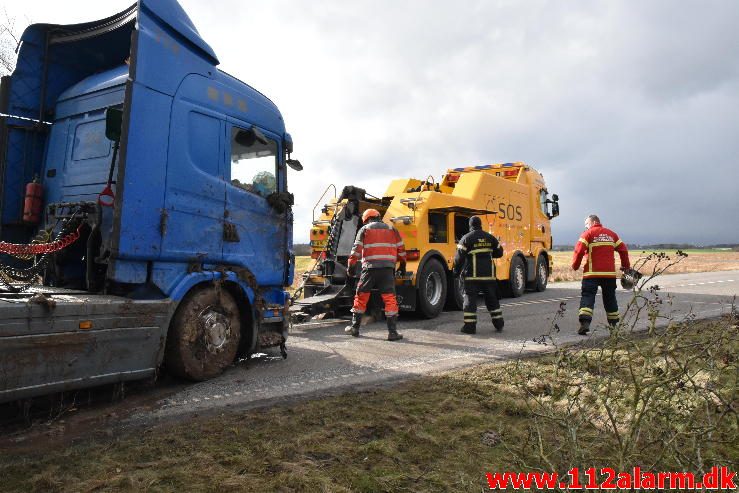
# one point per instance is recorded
(629, 109)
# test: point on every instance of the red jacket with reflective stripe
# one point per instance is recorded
(597, 245)
(378, 245)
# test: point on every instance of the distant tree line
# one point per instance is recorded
(301, 249)
(664, 246)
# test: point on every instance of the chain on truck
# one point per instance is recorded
(145, 217)
(511, 199)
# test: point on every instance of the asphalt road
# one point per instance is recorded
(322, 358)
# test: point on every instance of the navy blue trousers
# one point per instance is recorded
(489, 291)
(587, 301)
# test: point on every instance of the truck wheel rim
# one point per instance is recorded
(543, 273)
(519, 276)
(216, 330)
(433, 288)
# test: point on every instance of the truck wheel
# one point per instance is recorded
(431, 289)
(204, 334)
(542, 273)
(455, 293)
(517, 281)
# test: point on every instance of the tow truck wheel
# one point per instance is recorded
(204, 334)
(432, 289)
(455, 293)
(517, 281)
(542, 273)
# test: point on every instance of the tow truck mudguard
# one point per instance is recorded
(406, 295)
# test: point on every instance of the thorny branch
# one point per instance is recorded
(658, 390)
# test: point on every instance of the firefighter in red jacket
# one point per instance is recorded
(598, 245)
(378, 246)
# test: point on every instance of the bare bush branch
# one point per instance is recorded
(9, 39)
(657, 391)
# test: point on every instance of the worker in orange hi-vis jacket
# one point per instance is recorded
(379, 247)
(598, 245)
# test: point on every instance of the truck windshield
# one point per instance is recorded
(253, 165)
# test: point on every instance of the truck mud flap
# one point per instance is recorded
(407, 298)
(58, 341)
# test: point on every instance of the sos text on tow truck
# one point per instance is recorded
(718, 478)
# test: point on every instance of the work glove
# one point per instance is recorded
(401, 270)
(352, 269)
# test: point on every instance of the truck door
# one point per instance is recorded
(255, 234)
(539, 221)
(192, 222)
(519, 216)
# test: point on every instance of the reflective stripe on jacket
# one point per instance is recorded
(475, 253)
(378, 245)
(598, 245)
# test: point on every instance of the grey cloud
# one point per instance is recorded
(630, 109)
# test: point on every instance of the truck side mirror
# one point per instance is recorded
(113, 124)
(294, 164)
(555, 209)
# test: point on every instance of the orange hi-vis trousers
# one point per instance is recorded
(384, 281)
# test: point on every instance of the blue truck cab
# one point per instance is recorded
(165, 207)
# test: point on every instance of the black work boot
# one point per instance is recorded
(353, 328)
(613, 323)
(392, 329)
(469, 328)
(498, 323)
(584, 327)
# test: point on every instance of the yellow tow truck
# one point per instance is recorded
(511, 199)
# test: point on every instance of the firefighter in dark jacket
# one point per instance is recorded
(378, 246)
(474, 261)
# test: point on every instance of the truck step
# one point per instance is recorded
(326, 301)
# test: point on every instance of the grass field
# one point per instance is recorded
(302, 265)
(708, 260)
(696, 261)
(437, 433)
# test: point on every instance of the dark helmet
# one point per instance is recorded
(475, 223)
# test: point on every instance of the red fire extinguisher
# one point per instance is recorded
(34, 202)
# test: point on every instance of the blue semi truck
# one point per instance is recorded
(144, 212)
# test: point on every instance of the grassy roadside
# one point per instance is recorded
(434, 434)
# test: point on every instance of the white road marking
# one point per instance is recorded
(703, 303)
(536, 302)
(697, 283)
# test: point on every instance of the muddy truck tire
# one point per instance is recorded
(204, 335)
